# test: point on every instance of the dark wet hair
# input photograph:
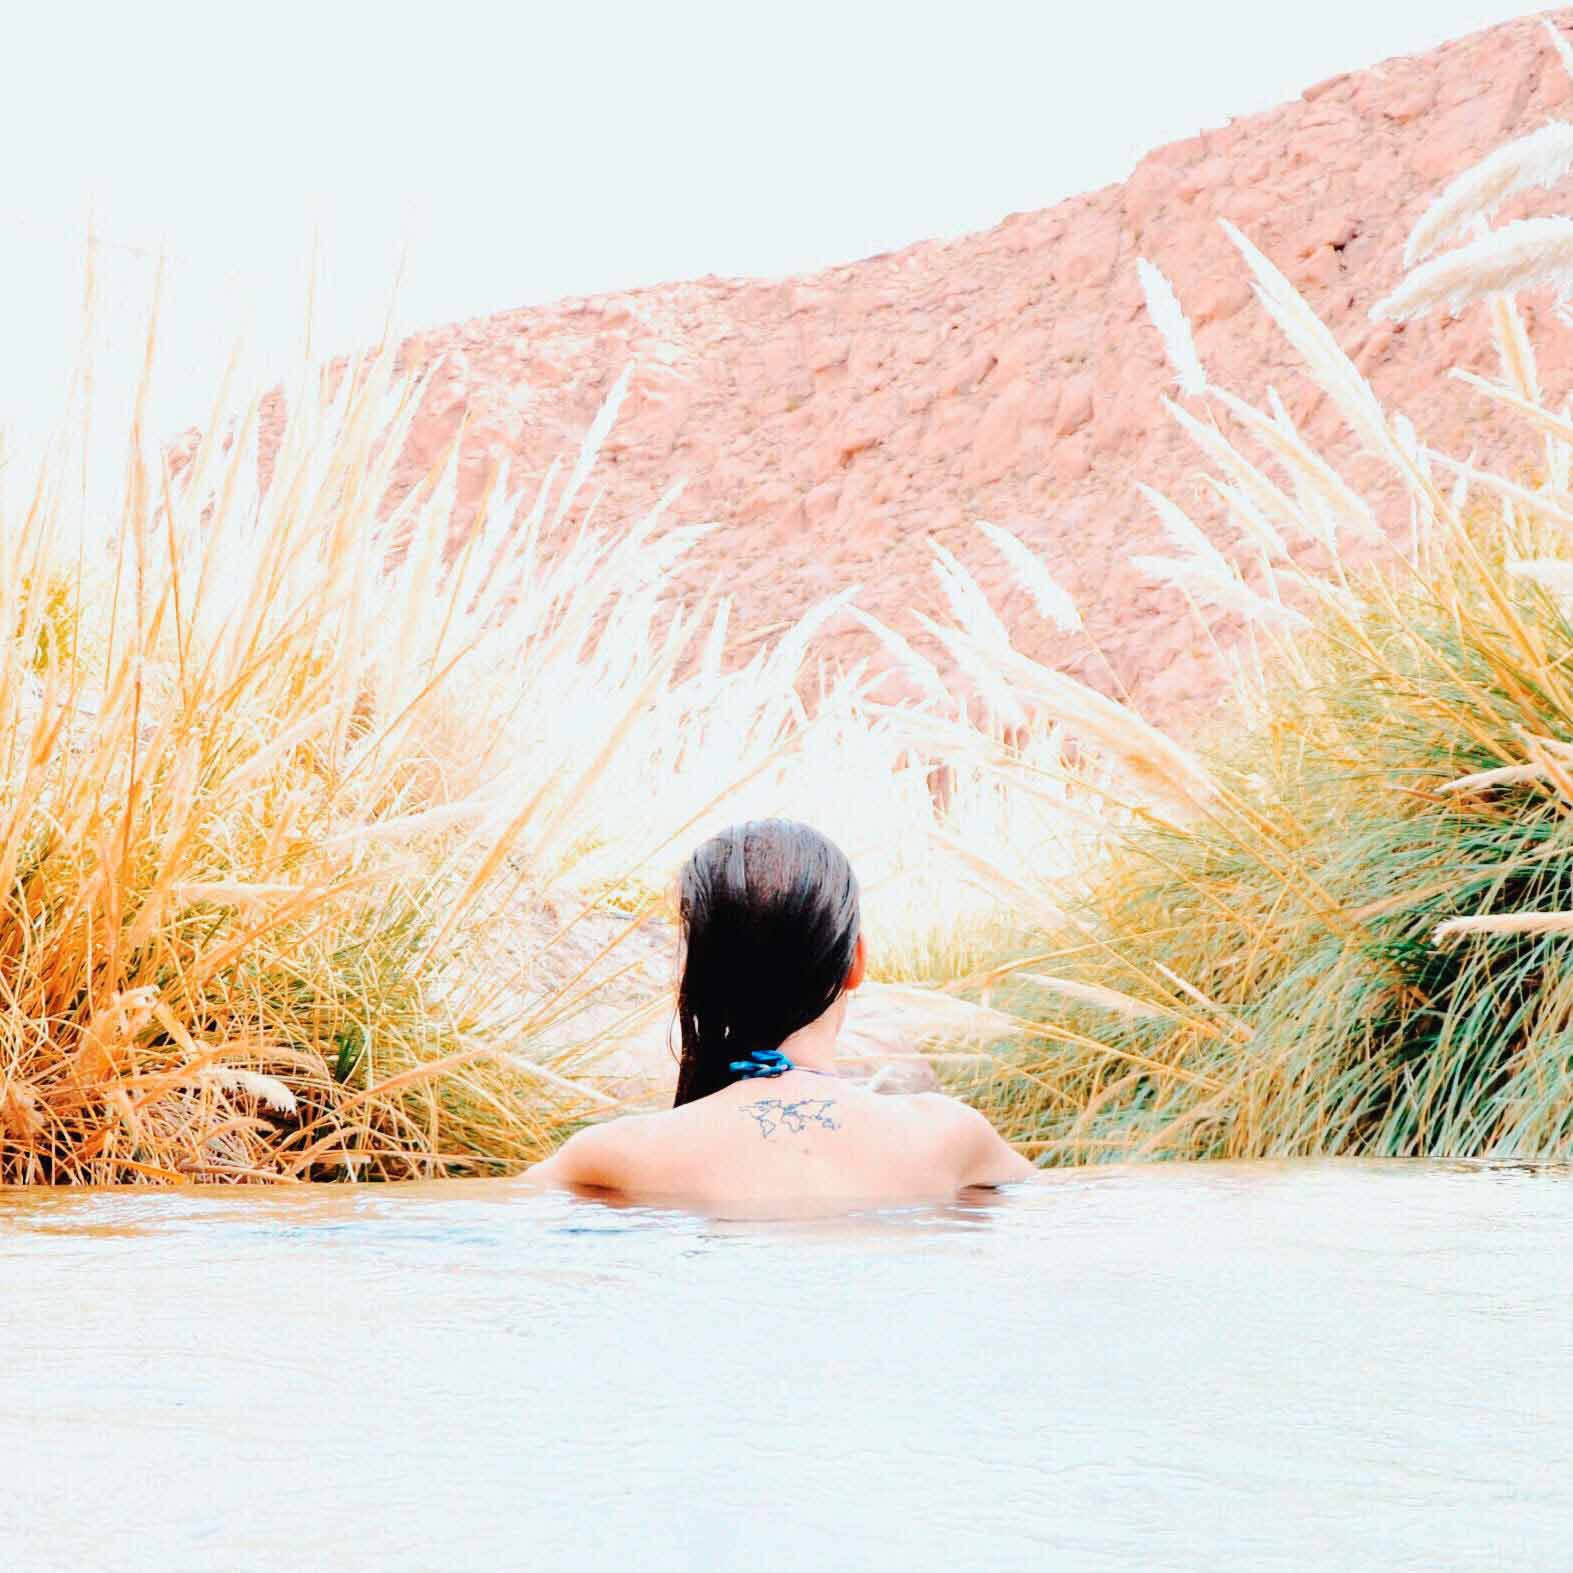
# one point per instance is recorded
(770, 923)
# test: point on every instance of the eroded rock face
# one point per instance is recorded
(836, 423)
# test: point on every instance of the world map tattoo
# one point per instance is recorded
(771, 1114)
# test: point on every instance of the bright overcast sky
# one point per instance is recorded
(526, 151)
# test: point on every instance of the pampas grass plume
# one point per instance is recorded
(1504, 923)
(1323, 355)
(1211, 585)
(267, 1090)
(1539, 160)
(1048, 596)
(1097, 994)
(1181, 529)
(1521, 255)
(1168, 316)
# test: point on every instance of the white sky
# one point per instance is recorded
(525, 151)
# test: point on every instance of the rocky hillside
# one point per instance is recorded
(836, 423)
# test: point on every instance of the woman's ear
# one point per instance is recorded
(859, 967)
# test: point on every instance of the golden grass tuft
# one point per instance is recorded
(329, 838)
(1357, 941)
(251, 846)
(334, 843)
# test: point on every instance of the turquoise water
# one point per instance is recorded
(1253, 1366)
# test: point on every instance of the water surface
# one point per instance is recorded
(1253, 1366)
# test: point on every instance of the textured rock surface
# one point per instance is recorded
(835, 424)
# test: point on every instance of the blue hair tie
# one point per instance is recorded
(762, 1062)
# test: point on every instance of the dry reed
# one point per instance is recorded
(1357, 940)
(330, 832)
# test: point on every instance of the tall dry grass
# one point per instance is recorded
(1343, 926)
(326, 833)
(254, 849)
(328, 836)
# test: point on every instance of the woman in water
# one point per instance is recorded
(772, 947)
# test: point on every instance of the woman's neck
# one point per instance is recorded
(813, 1048)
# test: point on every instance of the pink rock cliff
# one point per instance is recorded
(835, 424)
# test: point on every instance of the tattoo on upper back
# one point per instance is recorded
(771, 1114)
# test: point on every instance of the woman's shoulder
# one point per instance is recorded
(598, 1154)
(939, 1108)
(967, 1137)
(957, 1126)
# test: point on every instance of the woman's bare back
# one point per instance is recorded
(797, 1137)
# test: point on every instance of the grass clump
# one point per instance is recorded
(1362, 944)
(247, 856)
(1345, 926)
(325, 831)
